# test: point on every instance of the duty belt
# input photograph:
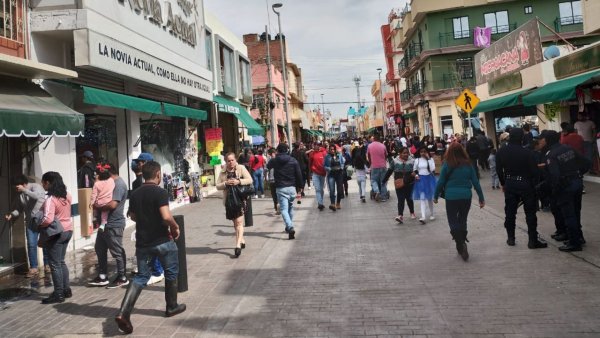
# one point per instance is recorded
(515, 178)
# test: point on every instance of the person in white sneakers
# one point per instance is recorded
(425, 181)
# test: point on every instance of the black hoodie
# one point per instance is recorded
(86, 170)
(287, 171)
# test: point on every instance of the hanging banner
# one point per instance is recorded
(517, 50)
(214, 144)
(483, 37)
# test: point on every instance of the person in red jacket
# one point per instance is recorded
(569, 137)
(316, 161)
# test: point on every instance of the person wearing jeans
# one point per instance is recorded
(257, 162)
(334, 165)
(30, 198)
(377, 156)
(457, 178)
(57, 207)
(155, 233)
(403, 169)
(359, 161)
(288, 182)
(316, 159)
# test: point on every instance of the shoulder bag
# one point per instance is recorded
(399, 183)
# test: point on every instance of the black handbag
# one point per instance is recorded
(246, 190)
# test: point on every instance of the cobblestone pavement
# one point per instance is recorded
(355, 272)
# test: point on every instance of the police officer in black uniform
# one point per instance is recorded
(517, 170)
(565, 168)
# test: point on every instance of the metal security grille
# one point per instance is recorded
(11, 20)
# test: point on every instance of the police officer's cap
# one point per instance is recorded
(516, 134)
(551, 136)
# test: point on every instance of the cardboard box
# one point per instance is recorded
(85, 212)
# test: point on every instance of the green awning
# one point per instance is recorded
(497, 103)
(110, 99)
(231, 107)
(181, 111)
(409, 115)
(28, 110)
(560, 90)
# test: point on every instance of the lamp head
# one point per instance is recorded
(379, 69)
(277, 5)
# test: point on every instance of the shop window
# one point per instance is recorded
(570, 13)
(245, 78)
(461, 27)
(227, 71)
(100, 137)
(528, 10)
(209, 51)
(11, 20)
(258, 101)
(166, 141)
(497, 21)
(464, 68)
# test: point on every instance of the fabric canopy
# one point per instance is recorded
(181, 111)
(28, 110)
(231, 107)
(110, 99)
(497, 103)
(560, 90)
(409, 115)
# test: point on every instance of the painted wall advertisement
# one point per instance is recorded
(214, 144)
(520, 49)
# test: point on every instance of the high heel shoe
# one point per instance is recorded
(238, 252)
(243, 245)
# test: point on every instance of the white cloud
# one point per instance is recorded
(331, 40)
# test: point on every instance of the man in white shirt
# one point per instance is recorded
(586, 129)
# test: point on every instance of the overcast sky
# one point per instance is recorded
(331, 40)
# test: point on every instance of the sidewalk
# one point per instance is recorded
(355, 272)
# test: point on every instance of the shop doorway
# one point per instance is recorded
(446, 124)
(100, 137)
(13, 155)
(166, 141)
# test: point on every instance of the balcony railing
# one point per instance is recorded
(403, 64)
(497, 30)
(405, 95)
(455, 38)
(414, 50)
(565, 23)
(12, 24)
(454, 81)
(418, 87)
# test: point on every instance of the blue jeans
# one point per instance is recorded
(32, 248)
(257, 176)
(286, 197)
(377, 175)
(157, 269)
(167, 255)
(588, 150)
(319, 183)
(335, 181)
(57, 249)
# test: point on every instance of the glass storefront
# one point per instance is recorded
(100, 137)
(166, 141)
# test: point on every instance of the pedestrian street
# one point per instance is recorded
(353, 272)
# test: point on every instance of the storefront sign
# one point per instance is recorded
(551, 110)
(515, 51)
(96, 50)
(577, 62)
(214, 144)
(177, 25)
(226, 108)
(505, 84)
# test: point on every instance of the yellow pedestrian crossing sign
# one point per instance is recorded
(467, 100)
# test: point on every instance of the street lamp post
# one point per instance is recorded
(383, 114)
(323, 113)
(284, 72)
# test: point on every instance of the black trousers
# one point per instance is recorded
(457, 212)
(515, 192)
(405, 194)
(569, 203)
(273, 193)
